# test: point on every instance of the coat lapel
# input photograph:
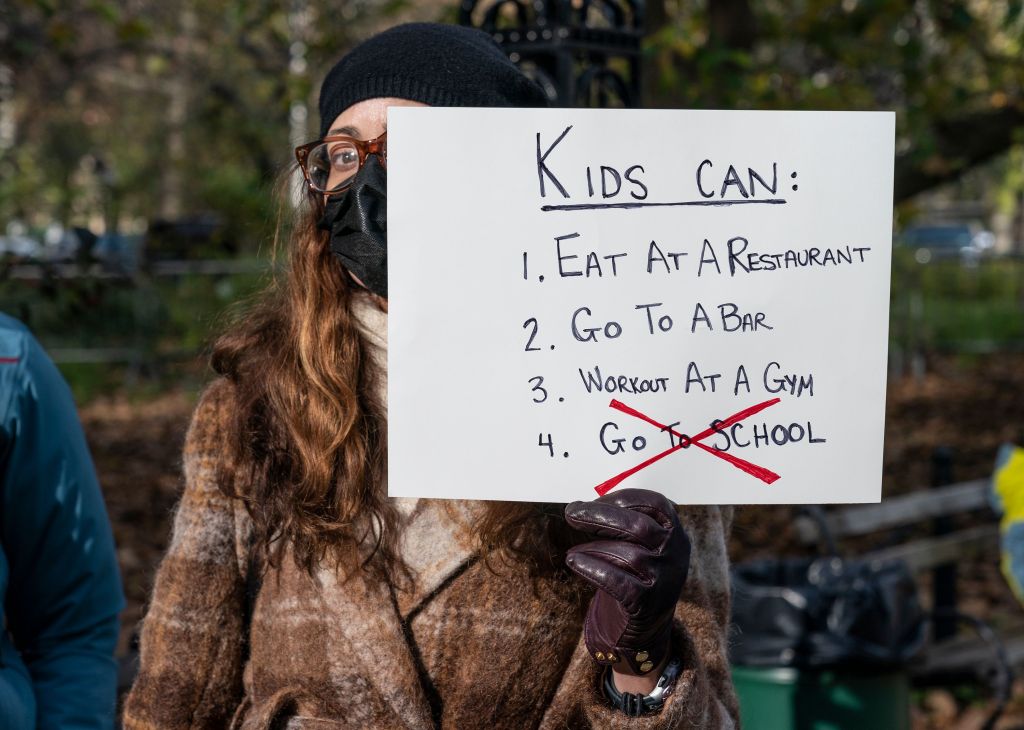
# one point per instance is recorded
(363, 611)
(437, 542)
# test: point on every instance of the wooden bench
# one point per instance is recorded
(950, 655)
(909, 509)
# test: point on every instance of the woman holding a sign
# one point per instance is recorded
(296, 594)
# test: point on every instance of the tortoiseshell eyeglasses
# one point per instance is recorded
(329, 164)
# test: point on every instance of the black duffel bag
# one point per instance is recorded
(824, 612)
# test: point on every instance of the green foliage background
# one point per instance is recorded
(121, 113)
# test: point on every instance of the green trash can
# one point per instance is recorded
(787, 698)
(823, 643)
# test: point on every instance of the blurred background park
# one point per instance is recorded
(145, 155)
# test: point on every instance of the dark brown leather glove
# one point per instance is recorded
(638, 568)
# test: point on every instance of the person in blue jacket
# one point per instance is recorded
(60, 589)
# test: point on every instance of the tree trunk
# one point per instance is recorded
(172, 184)
(731, 24)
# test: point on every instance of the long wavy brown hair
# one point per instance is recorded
(311, 433)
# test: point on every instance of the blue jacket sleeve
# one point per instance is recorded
(64, 593)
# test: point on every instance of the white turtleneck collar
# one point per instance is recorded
(374, 323)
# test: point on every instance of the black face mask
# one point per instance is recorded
(358, 222)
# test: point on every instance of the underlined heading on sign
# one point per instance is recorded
(626, 206)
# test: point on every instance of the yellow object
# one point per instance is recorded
(641, 656)
(1009, 487)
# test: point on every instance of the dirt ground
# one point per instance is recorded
(969, 405)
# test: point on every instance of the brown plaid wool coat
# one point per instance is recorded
(468, 647)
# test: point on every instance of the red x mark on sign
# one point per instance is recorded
(765, 475)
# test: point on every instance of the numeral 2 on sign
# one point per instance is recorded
(526, 325)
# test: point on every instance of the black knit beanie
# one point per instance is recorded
(438, 65)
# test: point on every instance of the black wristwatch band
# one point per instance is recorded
(636, 705)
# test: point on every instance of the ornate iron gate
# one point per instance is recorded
(584, 53)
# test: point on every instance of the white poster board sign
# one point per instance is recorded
(694, 302)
